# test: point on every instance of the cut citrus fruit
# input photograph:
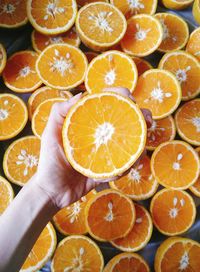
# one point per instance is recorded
(193, 46)
(13, 13)
(177, 4)
(42, 251)
(143, 36)
(62, 66)
(21, 159)
(139, 183)
(100, 25)
(19, 74)
(186, 68)
(103, 135)
(188, 122)
(161, 131)
(77, 252)
(176, 32)
(85, 2)
(13, 116)
(175, 165)
(142, 65)
(111, 69)
(177, 254)
(195, 188)
(6, 194)
(105, 211)
(196, 11)
(3, 58)
(158, 91)
(140, 234)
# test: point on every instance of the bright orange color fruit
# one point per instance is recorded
(85, 2)
(193, 45)
(177, 4)
(142, 65)
(196, 11)
(195, 188)
(3, 58)
(6, 194)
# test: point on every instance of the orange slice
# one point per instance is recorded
(127, 262)
(107, 210)
(52, 17)
(158, 91)
(196, 11)
(175, 165)
(140, 233)
(6, 194)
(143, 36)
(175, 32)
(161, 131)
(100, 25)
(42, 251)
(103, 135)
(85, 2)
(139, 183)
(13, 13)
(77, 252)
(21, 159)
(177, 4)
(13, 116)
(71, 220)
(177, 254)
(62, 66)
(195, 188)
(186, 68)
(188, 122)
(193, 46)
(111, 69)
(19, 74)
(142, 65)
(3, 58)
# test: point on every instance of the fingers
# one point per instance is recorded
(120, 90)
(148, 117)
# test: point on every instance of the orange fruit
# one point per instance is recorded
(193, 45)
(13, 13)
(3, 58)
(140, 234)
(127, 262)
(142, 65)
(62, 66)
(52, 17)
(42, 251)
(175, 165)
(105, 211)
(111, 69)
(196, 11)
(139, 183)
(103, 135)
(6, 194)
(71, 219)
(77, 253)
(13, 116)
(195, 188)
(186, 68)
(21, 159)
(19, 74)
(161, 131)
(188, 122)
(100, 25)
(177, 4)
(85, 2)
(177, 254)
(143, 36)
(158, 91)
(175, 32)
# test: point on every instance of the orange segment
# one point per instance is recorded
(62, 66)
(13, 116)
(85, 2)
(3, 58)
(6, 194)
(77, 251)
(158, 91)
(175, 165)
(193, 46)
(19, 74)
(142, 65)
(196, 11)
(177, 4)
(111, 69)
(196, 187)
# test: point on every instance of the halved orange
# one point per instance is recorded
(175, 32)
(3, 58)
(177, 254)
(100, 25)
(196, 11)
(111, 69)
(77, 253)
(142, 65)
(195, 188)
(193, 45)
(6, 194)
(175, 165)
(106, 210)
(187, 120)
(62, 66)
(103, 135)
(139, 183)
(158, 91)
(85, 2)
(186, 68)
(177, 4)
(13, 13)
(161, 131)
(13, 116)
(42, 251)
(21, 159)
(143, 36)
(19, 74)
(140, 234)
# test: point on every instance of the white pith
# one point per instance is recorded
(101, 21)
(135, 5)
(181, 74)
(61, 64)
(141, 34)
(74, 212)
(110, 216)
(103, 134)
(28, 160)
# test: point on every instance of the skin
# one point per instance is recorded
(55, 185)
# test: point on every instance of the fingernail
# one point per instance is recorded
(131, 97)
